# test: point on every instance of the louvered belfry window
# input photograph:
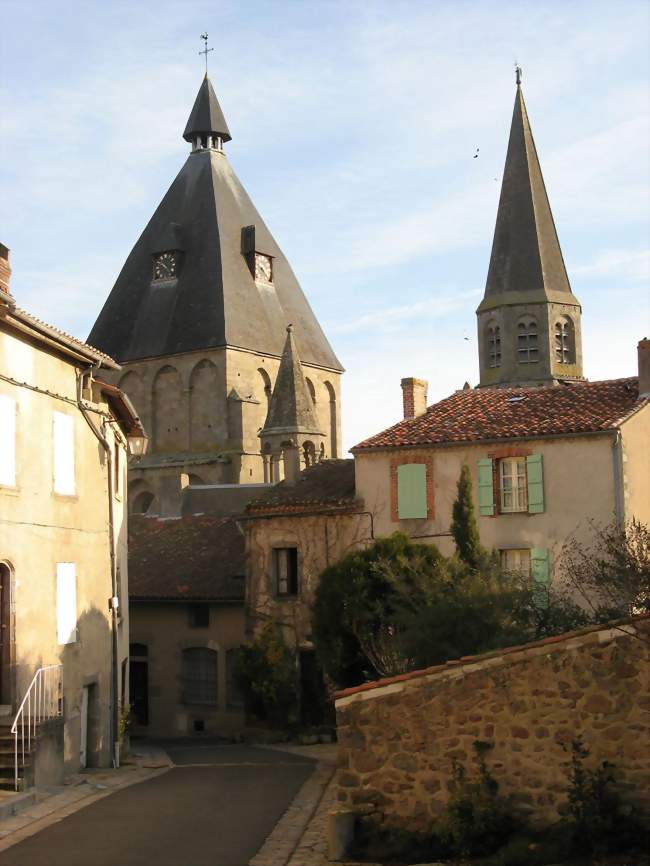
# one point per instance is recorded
(564, 342)
(494, 346)
(527, 345)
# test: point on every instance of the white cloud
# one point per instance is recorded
(626, 265)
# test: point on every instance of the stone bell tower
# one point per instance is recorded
(529, 330)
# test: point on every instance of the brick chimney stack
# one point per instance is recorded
(644, 367)
(5, 270)
(414, 396)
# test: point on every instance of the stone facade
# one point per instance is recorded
(399, 737)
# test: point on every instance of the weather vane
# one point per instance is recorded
(206, 50)
(517, 74)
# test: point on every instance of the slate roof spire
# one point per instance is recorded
(206, 117)
(526, 254)
(291, 409)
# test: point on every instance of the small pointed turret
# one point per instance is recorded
(291, 427)
(206, 126)
(529, 320)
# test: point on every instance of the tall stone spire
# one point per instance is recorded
(291, 429)
(529, 320)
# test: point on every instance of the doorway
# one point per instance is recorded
(6, 637)
(139, 682)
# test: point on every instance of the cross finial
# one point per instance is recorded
(206, 50)
(518, 74)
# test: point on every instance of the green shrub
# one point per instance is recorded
(266, 674)
(375, 844)
(477, 820)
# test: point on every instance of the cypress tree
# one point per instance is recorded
(463, 524)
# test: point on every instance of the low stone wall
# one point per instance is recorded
(398, 737)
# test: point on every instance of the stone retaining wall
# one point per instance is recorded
(398, 737)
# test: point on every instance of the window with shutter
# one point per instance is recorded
(63, 446)
(66, 602)
(485, 487)
(535, 478)
(512, 483)
(412, 491)
(539, 571)
(7, 441)
(285, 566)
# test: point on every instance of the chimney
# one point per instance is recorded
(5, 270)
(644, 367)
(414, 397)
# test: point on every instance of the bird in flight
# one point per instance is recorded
(476, 154)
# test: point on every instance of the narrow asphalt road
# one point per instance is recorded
(214, 808)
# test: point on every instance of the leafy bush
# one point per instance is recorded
(376, 844)
(265, 671)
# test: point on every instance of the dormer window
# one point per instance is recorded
(165, 266)
(263, 268)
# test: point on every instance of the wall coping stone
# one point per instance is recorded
(457, 668)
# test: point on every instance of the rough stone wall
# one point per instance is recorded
(398, 738)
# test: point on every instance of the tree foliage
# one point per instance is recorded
(266, 674)
(463, 525)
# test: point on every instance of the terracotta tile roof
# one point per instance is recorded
(515, 413)
(328, 485)
(194, 557)
(65, 339)
(638, 621)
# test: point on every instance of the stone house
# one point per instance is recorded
(64, 439)
(294, 530)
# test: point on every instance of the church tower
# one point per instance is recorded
(529, 320)
(197, 318)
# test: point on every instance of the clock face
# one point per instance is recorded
(164, 266)
(263, 268)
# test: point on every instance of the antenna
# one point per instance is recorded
(206, 50)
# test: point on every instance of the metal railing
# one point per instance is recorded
(43, 700)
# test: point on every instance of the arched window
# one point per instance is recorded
(312, 390)
(266, 385)
(200, 675)
(493, 335)
(333, 420)
(309, 453)
(527, 345)
(564, 341)
(141, 502)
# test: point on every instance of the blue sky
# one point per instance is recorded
(354, 126)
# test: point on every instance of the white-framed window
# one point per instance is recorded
(527, 345)
(66, 602)
(285, 566)
(516, 561)
(7, 441)
(512, 484)
(63, 454)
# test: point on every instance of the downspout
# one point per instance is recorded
(111, 542)
(619, 478)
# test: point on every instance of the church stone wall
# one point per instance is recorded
(398, 740)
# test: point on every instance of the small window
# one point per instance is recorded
(513, 484)
(199, 615)
(66, 602)
(564, 342)
(285, 566)
(527, 344)
(63, 445)
(199, 676)
(7, 441)
(516, 561)
(494, 346)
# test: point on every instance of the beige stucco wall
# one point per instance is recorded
(164, 628)
(635, 436)
(321, 539)
(39, 528)
(191, 410)
(578, 487)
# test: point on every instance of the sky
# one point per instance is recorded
(354, 128)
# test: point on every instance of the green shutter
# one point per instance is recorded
(535, 475)
(485, 487)
(540, 575)
(411, 490)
